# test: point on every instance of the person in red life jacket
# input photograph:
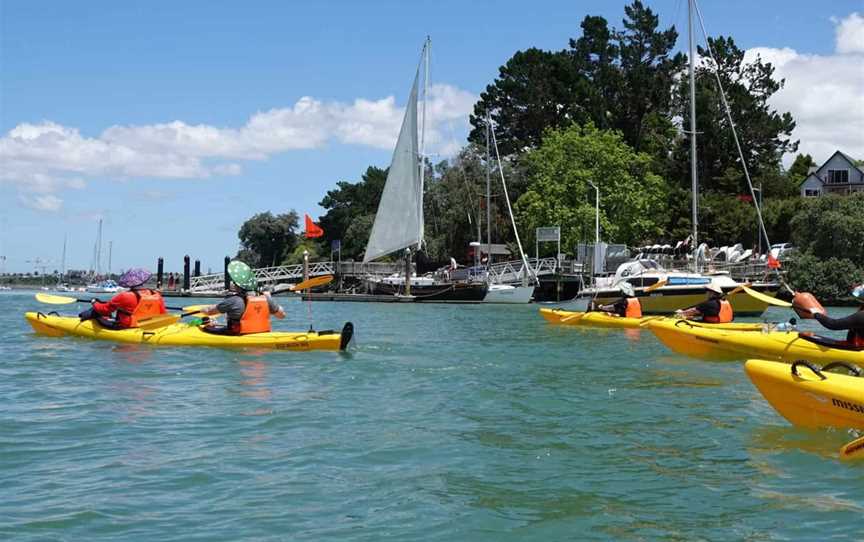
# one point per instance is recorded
(714, 310)
(246, 310)
(126, 309)
(628, 305)
(854, 323)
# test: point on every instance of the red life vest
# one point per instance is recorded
(256, 317)
(634, 308)
(150, 304)
(725, 315)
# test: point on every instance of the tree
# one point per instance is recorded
(831, 226)
(765, 134)
(800, 169)
(351, 209)
(632, 198)
(268, 238)
(533, 92)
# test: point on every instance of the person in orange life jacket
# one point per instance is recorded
(126, 309)
(714, 310)
(854, 323)
(628, 305)
(247, 311)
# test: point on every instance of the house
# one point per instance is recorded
(838, 175)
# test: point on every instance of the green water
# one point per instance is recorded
(445, 423)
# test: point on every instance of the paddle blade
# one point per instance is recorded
(194, 308)
(853, 450)
(312, 283)
(55, 299)
(765, 298)
(656, 286)
(159, 321)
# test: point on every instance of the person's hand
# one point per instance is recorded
(94, 300)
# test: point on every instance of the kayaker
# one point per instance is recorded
(126, 309)
(854, 323)
(245, 309)
(627, 306)
(714, 310)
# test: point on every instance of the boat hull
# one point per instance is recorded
(806, 399)
(506, 294)
(602, 319)
(455, 292)
(667, 300)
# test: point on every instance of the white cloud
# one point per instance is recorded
(46, 157)
(850, 34)
(47, 202)
(824, 93)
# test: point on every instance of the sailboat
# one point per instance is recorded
(398, 226)
(107, 286)
(681, 289)
(500, 292)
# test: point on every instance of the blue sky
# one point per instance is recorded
(176, 121)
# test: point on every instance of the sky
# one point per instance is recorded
(176, 121)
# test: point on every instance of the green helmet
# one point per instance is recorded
(242, 275)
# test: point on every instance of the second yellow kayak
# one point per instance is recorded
(603, 319)
(727, 345)
(810, 396)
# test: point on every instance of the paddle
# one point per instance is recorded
(305, 285)
(168, 319)
(63, 300)
(657, 285)
(853, 450)
(573, 317)
(766, 298)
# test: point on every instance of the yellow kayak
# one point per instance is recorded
(726, 345)
(603, 319)
(189, 335)
(809, 396)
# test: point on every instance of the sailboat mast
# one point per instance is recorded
(488, 195)
(63, 259)
(693, 173)
(426, 51)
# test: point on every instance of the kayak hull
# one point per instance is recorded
(602, 319)
(732, 345)
(807, 400)
(188, 335)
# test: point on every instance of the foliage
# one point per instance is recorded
(351, 211)
(764, 134)
(831, 226)
(632, 199)
(800, 168)
(296, 255)
(829, 279)
(266, 238)
(778, 215)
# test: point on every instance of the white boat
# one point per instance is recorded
(104, 287)
(506, 293)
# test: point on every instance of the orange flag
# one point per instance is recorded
(312, 229)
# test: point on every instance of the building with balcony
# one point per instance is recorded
(838, 175)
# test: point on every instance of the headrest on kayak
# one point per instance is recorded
(134, 277)
(627, 289)
(712, 287)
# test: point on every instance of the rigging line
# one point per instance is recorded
(732, 125)
(510, 210)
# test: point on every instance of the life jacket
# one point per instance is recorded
(634, 308)
(150, 304)
(725, 315)
(256, 317)
(855, 337)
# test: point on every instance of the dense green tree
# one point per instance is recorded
(800, 168)
(266, 238)
(765, 134)
(831, 226)
(632, 198)
(533, 92)
(351, 209)
(829, 279)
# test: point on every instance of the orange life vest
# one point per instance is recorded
(150, 304)
(634, 308)
(256, 317)
(725, 315)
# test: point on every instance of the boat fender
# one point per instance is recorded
(811, 366)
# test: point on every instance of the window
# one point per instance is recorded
(811, 193)
(838, 176)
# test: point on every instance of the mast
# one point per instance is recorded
(426, 51)
(693, 174)
(110, 245)
(488, 196)
(63, 258)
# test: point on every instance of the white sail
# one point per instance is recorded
(399, 220)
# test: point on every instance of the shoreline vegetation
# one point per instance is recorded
(609, 108)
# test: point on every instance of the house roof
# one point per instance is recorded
(814, 170)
